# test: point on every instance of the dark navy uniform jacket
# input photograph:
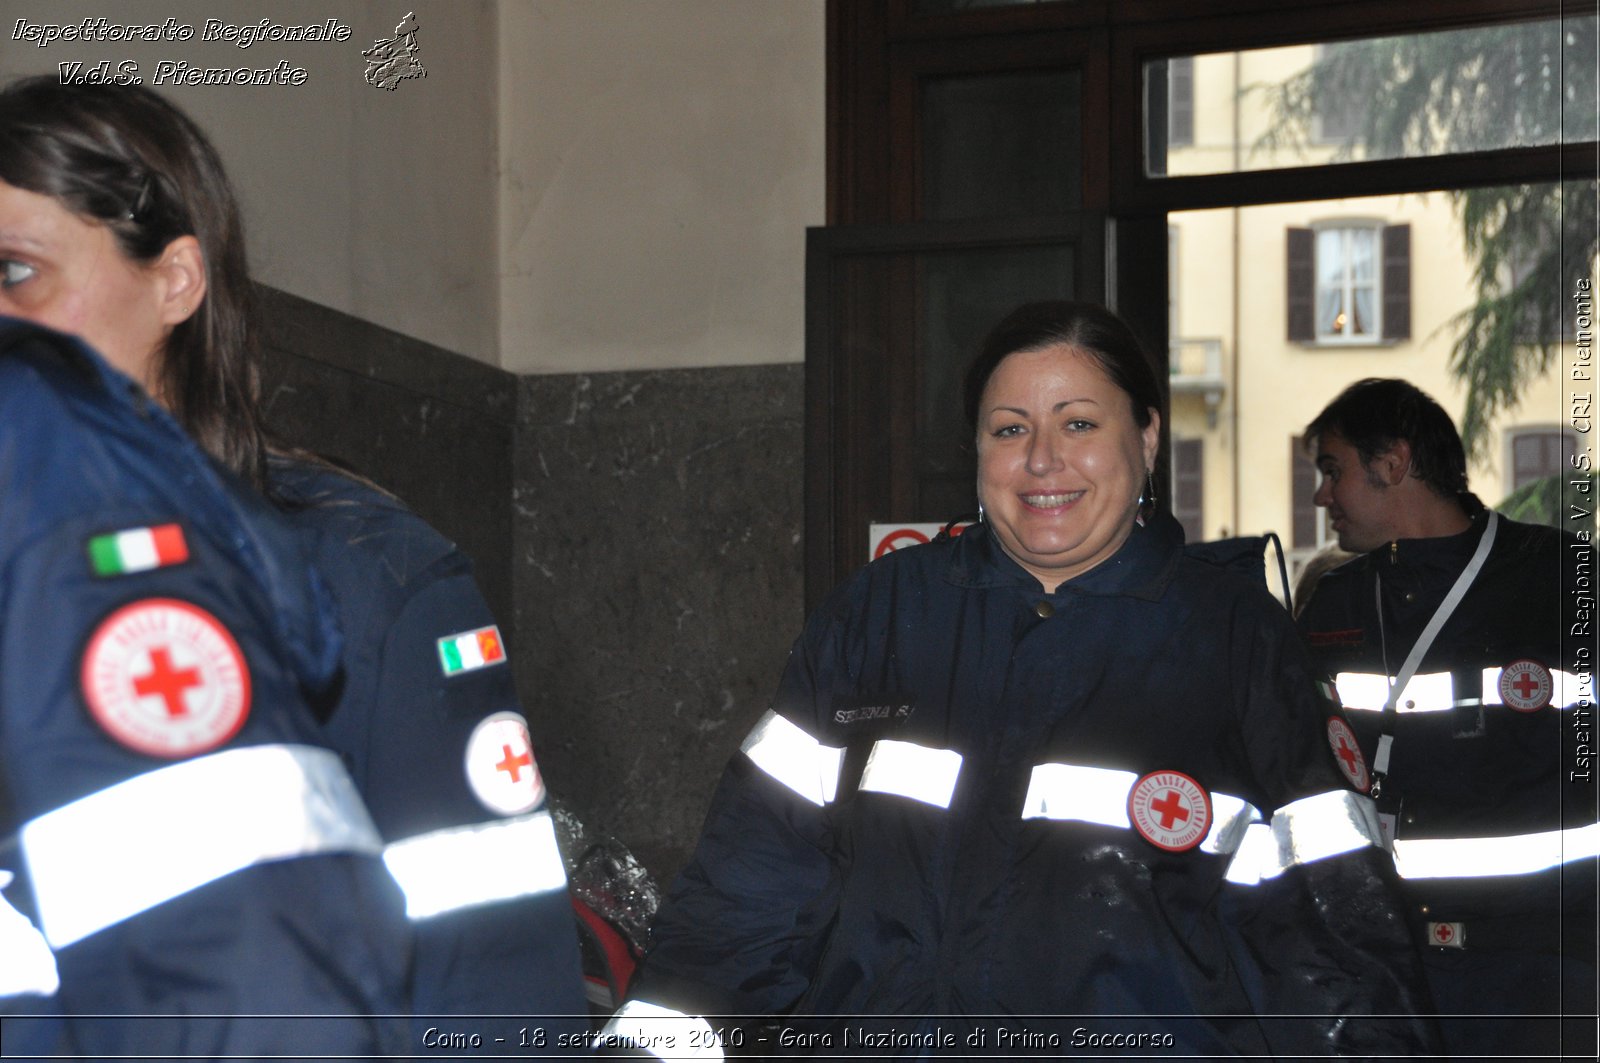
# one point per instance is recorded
(428, 719)
(1491, 777)
(1013, 812)
(187, 843)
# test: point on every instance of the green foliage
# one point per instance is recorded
(1475, 90)
(1563, 501)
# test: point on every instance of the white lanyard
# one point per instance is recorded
(1380, 763)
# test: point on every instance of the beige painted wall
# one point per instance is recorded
(377, 203)
(660, 163)
(576, 185)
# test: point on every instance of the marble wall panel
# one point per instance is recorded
(658, 568)
(636, 533)
(434, 427)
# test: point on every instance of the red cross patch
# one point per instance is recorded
(1525, 685)
(1170, 810)
(500, 765)
(1447, 935)
(165, 678)
(1347, 754)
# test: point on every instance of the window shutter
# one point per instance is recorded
(1397, 282)
(1302, 488)
(1302, 281)
(1180, 90)
(1188, 487)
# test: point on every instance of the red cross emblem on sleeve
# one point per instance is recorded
(166, 678)
(1525, 685)
(1170, 810)
(500, 767)
(1347, 754)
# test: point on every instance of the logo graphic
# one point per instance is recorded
(1447, 935)
(1348, 754)
(500, 765)
(392, 61)
(1170, 810)
(1525, 685)
(164, 677)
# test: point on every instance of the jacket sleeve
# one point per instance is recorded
(1312, 902)
(188, 847)
(445, 745)
(741, 926)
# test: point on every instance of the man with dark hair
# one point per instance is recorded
(1452, 645)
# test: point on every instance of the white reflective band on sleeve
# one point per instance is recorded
(27, 967)
(785, 752)
(1521, 854)
(664, 1033)
(1088, 795)
(909, 770)
(1364, 692)
(132, 846)
(459, 867)
(1100, 795)
(1435, 691)
(1312, 828)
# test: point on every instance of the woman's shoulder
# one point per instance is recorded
(356, 523)
(1237, 583)
(76, 436)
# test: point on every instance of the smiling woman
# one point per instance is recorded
(1065, 449)
(1107, 789)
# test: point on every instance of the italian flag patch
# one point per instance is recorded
(471, 650)
(137, 550)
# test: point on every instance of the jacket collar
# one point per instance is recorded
(1141, 568)
(1444, 553)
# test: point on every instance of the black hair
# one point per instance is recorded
(1374, 414)
(1087, 327)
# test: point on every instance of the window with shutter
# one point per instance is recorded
(1538, 453)
(1349, 283)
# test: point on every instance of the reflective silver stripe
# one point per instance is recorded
(664, 1033)
(921, 773)
(460, 867)
(1435, 692)
(132, 846)
(27, 967)
(1364, 691)
(1100, 795)
(1519, 854)
(785, 752)
(1312, 828)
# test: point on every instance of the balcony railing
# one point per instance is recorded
(1194, 367)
